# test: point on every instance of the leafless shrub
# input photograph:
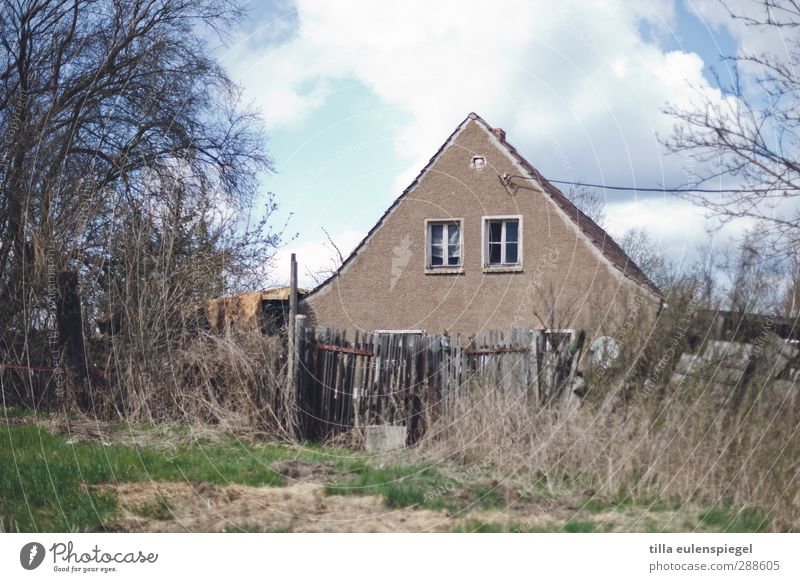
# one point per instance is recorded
(691, 450)
(233, 381)
(639, 432)
(129, 162)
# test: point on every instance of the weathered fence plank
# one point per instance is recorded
(407, 379)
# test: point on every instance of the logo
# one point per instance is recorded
(31, 555)
(402, 254)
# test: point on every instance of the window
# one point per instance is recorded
(444, 244)
(502, 242)
(477, 162)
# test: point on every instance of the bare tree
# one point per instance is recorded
(644, 251)
(635, 241)
(747, 138)
(590, 203)
(127, 158)
(334, 260)
(791, 300)
(757, 280)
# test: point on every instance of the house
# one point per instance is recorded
(481, 241)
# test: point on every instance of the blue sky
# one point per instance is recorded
(358, 95)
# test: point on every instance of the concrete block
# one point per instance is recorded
(778, 354)
(730, 354)
(684, 365)
(677, 378)
(730, 376)
(384, 437)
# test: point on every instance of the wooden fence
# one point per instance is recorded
(409, 378)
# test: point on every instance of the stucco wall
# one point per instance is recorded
(563, 282)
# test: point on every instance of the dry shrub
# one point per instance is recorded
(691, 449)
(233, 381)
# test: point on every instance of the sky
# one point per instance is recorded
(357, 96)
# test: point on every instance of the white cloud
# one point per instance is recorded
(676, 226)
(577, 86)
(579, 72)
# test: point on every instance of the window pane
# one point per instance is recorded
(511, 253)
(453, 254)
(495, 231)
(494, 253)
(436, 255)
(436, 234)
(453, 233)
(512, 231)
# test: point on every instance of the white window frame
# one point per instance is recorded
(444, 268)
(502, 266)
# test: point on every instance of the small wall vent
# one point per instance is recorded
(477, 163)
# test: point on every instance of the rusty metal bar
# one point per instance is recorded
(342, 349)
(496, 351)
(32, 368)
(96, 372)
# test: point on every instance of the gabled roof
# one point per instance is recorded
(593, 231)
(602, 241)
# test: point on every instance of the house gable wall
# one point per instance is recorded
(564, 281)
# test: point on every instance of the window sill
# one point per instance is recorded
(444, 270)
(503, 269)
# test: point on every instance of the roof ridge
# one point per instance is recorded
(593, 231)
(608, 247)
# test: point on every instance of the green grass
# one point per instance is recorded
(16, 412)
(623, 500)
(161, 510)
(583, 526)
(488, 498)
(651, 526)
(399, 485)
(47, 484)
(727, 519)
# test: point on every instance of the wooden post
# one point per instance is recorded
(293, 292)
(299, 362)
(291, 372)
(69, 324)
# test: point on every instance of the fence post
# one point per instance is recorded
(69, 323)
(299, 376)
(532, 376)
(292, 356)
